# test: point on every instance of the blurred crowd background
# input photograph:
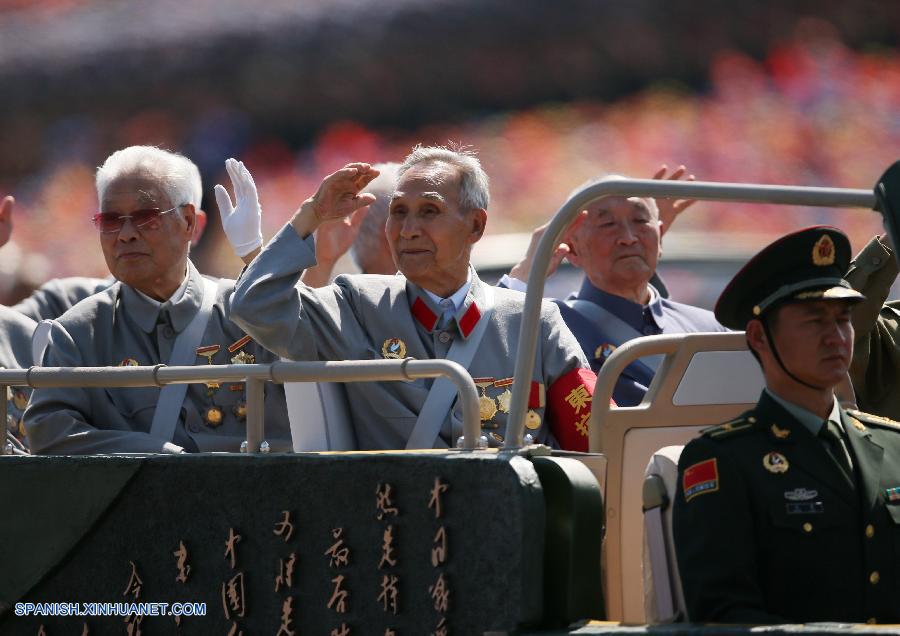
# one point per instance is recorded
(549, 93)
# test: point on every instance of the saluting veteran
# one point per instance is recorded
(790, 513)
(161, 310)
(437, 308)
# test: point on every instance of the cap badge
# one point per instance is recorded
(775, 463)
(823, 251)
(780, 433)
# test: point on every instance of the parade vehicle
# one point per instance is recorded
(513, 540)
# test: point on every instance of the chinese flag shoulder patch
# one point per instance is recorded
(701, 478)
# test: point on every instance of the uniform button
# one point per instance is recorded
(876, 261)
(168, 332)
(870, 531)
(444, 337)
(807, 527)
(874, 577)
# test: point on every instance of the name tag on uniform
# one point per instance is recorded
(805, 508)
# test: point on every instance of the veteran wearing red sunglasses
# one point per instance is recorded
(161, 310)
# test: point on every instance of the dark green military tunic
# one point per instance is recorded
(768, 529)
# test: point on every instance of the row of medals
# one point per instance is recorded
(488, 407)
(214, 415)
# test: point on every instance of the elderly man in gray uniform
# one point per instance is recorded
(161, 310)
(437, 308)
(15, 353)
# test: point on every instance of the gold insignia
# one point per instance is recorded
(532, 420)
(857, 425)
(208, 351)
(213, 416)
(243, 358)
(234, 346)
(775, 463)
(780, 433)
(240, 410)
(129, 362)
(756, 310)
(393, 349)
(487, 408)
(604, 351)
(823, 251)
(497, 437)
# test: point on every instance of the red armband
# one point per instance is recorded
(569, 408)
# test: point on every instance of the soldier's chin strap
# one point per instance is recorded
(768, 332)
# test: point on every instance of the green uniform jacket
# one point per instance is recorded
(876, 350)
(768, 529)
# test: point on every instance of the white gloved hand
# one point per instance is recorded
(242, 222)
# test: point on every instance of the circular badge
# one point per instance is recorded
(393, 349)
(240, 410)
(604, 351)
(775, 463)
(532, 420)
(213, 416)
(129, 362)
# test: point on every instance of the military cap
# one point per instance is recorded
(804, 265)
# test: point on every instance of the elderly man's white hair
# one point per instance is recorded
(651, 202)
(474, 191)
(177, 175)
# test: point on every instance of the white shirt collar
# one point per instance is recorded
(457, 298)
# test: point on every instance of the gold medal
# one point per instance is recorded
(775, 463)
(20, 399)
(532, 420)
(240, 410)
(393, 349)
(487, 408)
(504, 399)
(129, 362)
(208, 352)
(213, 416)
(243, 358)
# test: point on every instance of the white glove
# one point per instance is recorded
(242, 222)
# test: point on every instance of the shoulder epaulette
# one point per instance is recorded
(740, 424)
(874, 420)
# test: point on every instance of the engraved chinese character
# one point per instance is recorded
(285, 572)
(439, 551)
(287, 611)
(339, 553)
(233, 596)
(184, 570)
(383, 504)
(578, 398)
(284, 528)
(436, 492)
(442, 628)
(387, 548)
(440, 593)
(343, 630)
(233, 540)
(582, 424)
(134, 584)
(389, 592)
(338, 597)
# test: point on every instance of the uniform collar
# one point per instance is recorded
(425, 309)
(181, 307)
(812, 422)
(629, 311)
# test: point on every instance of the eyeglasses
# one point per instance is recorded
(146, 219)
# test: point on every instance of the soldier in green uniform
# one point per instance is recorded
(791, 512)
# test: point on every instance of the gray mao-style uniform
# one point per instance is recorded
(15, 353)
(370, 317)
(120, 326)
(58, 295)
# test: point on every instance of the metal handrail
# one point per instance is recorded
(255, 375)
(528, 335)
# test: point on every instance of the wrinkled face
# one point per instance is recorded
(146, 258)
(814, 340)
(617, 243)
(430, 238)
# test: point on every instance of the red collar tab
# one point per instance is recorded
(469, 319)
(424, 315)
